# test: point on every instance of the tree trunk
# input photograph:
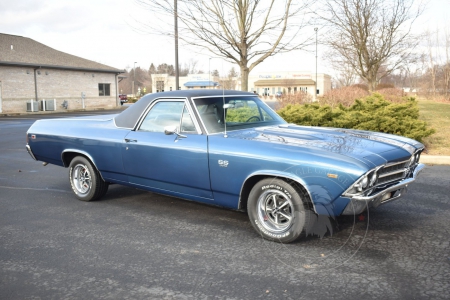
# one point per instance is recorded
(245, 72)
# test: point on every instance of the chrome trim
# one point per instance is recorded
(397, 162)
(30, 152)
(392, 173)
(83, 153)
(363, 202)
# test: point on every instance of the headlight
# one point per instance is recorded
(361, 184)
(364, 183)
(373, 179)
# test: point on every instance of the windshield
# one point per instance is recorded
(239, 113)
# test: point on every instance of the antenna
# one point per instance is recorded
(224, 109)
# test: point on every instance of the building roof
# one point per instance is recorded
(200, 83)
(22, 51)
(284, 82)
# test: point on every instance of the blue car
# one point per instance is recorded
(228, 148)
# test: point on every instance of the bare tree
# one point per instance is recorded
(432, 63)
(245, 32)
(447, 62)
(142, 79)
(367, 34)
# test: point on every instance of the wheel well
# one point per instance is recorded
(68, 156)
(248, 185)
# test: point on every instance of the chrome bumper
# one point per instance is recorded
(358, 204)
(30, 152)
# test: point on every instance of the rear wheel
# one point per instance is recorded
(279, 211)
(85, 180)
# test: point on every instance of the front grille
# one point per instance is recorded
(394, 167)
(393, 172)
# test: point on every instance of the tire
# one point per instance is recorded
(280, 211)
(85, 180)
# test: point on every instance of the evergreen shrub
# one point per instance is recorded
(372, 113)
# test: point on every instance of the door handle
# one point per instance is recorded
(130, 141)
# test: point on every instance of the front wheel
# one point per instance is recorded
(279, 211)
(85, 180)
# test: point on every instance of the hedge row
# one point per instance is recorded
(372, 113)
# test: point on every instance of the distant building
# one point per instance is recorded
(270, 83)
(31, 71)
(264, 84)
(165, 82)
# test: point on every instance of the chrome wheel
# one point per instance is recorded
(81, 179)
(275, 211)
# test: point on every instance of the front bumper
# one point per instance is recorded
(358, 204)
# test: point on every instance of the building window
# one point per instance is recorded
(104, 89)
(160, 85)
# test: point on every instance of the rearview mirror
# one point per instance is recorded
(225, 106)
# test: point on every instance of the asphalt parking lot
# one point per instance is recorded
(134, 244)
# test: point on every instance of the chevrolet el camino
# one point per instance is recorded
(228, 148)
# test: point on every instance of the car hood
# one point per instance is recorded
(373, 148)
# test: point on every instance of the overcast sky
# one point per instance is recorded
(102, 31)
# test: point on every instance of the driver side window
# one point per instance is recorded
(168, 113)
(162, 114)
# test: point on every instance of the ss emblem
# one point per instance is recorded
(223, 163)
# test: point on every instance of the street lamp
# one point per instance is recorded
(134, 78)
(315, 84)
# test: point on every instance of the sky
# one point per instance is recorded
(105, 31)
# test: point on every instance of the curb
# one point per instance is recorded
(435, 160)
(58, 111)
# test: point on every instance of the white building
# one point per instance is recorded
(266, 84)
(270, 83)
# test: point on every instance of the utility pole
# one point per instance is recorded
(177, 73)
(315, 84)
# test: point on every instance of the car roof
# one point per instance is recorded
(129, 117)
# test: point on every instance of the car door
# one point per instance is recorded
(175, 163)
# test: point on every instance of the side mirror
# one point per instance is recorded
(168, 130)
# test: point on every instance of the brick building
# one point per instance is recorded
(31, 71)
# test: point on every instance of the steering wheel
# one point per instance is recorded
(253, 117)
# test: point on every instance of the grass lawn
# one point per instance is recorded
(437, 115)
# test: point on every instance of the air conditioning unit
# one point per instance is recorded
(48, 105)
(32, 106)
